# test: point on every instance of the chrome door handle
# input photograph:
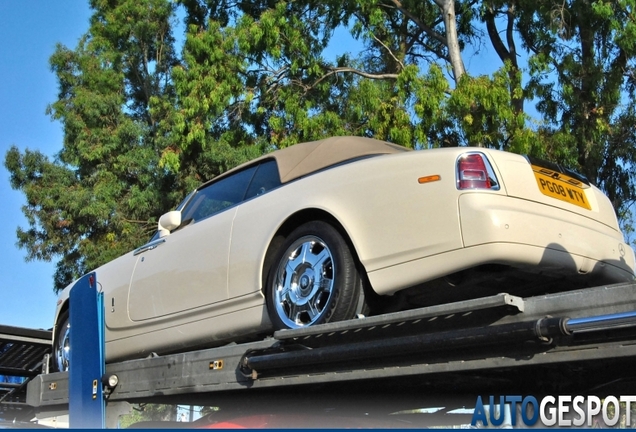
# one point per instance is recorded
(149, 246)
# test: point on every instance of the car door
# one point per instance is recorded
(188, 269)
(254, 224)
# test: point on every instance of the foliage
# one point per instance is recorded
(152, 106)
(582, 59)
(149, 413)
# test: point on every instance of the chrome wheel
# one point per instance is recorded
(313, 278)
(304, 282)
(62, 349)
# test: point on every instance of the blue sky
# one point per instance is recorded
(29, 31)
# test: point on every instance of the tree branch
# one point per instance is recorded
(389, 51)
(428, 30)
(510, 35)
(493, 33)
(337, 70)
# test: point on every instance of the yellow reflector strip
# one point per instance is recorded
(429, 179)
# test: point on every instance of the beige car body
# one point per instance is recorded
(204, 285)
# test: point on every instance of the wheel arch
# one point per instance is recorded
(294, 221)
(63, 309)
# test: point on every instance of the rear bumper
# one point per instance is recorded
(497, 229)
(488, 218)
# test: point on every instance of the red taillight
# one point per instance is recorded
(472, 172)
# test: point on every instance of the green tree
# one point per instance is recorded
(144, 124)
(101, 195)
(149, 413)
(582, 63)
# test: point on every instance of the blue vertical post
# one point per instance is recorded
(87, 409)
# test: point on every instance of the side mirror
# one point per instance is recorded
(168, 222)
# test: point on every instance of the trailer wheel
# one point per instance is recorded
(314, 279)
(62, 347)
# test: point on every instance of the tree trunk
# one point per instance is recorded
(454, 53)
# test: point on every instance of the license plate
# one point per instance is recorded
(561, 187)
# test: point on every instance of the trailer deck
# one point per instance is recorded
(591, 330)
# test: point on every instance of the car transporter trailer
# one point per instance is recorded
(574, 342)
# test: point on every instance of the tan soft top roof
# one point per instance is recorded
(305, 158)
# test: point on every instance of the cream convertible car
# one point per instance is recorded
(343, 227)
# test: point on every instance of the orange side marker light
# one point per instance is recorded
(429, 179)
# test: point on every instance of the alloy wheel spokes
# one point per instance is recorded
(304, 282)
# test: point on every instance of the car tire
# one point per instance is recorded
(314, 279)
(61, 346)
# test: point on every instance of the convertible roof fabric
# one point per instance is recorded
(305, 158)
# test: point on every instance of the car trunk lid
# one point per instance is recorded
(551, 184)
